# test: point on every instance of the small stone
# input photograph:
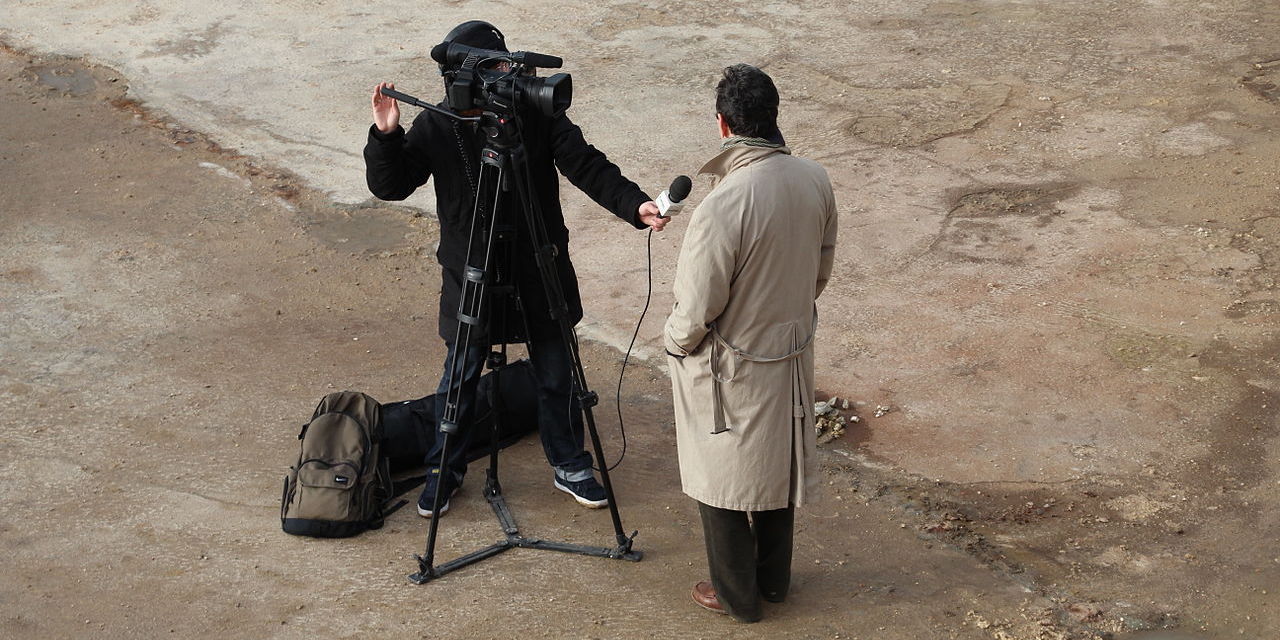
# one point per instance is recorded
(1084, 611)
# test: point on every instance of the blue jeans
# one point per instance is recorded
(559, 416)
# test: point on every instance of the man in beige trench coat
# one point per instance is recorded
(757, 253)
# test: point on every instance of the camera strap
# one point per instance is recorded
(466, 159)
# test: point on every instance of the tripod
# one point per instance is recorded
(503, 169)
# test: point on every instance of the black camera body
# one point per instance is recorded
(502, 81)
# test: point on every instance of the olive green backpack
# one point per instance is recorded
(341, 483)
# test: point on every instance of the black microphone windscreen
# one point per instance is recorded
(680, 188)
(440, 53)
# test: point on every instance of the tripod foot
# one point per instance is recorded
(425, 571)
(633, 556)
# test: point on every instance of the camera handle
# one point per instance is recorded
(408, 99)
(503, 163)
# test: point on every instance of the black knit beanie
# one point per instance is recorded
(478, 34)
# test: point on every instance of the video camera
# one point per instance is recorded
(501, 81)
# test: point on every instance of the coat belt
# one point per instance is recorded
(719, 342)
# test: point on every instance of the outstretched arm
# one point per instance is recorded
(588, 169)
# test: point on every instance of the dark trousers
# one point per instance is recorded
(749, 554)
(559, 418)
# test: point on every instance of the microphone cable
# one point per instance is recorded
(648, 298)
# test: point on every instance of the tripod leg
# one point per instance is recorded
(624, 541)
(546, 254)
(471, 310)
(503, 293)
(491, 485)
(426, 563)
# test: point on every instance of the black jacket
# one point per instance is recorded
(397, 163)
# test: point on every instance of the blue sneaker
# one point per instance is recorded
(429, 493)
(587, 492)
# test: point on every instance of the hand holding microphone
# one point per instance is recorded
(670, 201)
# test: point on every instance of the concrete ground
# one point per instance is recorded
(1054, 309)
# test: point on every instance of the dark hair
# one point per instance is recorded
(748, 101)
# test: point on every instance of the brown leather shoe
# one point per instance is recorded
(705, 595)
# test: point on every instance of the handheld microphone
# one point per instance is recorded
(671, 200)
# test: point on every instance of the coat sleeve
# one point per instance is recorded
(826, 258)
(704, 274)
(588, 169)
(396, 163)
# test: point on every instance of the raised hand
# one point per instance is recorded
(386, 111)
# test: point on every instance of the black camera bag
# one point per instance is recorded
(409, 427)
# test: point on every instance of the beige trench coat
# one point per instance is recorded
(757, 253)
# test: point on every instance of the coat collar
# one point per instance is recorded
(737, 156)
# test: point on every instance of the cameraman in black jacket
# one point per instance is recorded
(397, 163)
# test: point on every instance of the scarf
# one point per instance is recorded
(744, 141)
